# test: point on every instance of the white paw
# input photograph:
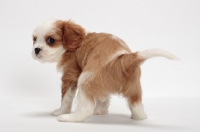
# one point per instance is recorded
(139, 117)
(63, 118)
(56, 112)
(72, 117)
(69, 118)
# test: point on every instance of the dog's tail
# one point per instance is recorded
(133, 60)
(150, 53)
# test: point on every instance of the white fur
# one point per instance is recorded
(146, 54)
(83, 77)
(85, 107)
(115, 55)
(120, 41)
(114, 37)
(137, 111)
(66, 103)
(61, 68)
(47, 54)
(102, 105)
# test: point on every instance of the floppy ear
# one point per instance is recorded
(73, 35)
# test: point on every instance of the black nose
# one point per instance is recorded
(37, 50)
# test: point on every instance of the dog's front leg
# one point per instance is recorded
(66, 103)
(69, 86)
(71, 73)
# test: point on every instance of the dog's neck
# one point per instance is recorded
(67, 57)
(80, 56)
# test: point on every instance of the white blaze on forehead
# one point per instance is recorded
(41, 30)
(44, 27)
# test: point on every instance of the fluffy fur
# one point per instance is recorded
(97, 64)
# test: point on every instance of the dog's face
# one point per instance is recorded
(47, 42)
(52, 38)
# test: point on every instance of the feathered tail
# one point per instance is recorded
(150, 53)
(133, 60)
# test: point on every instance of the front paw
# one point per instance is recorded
(63, 118)
(56, 112)
(139, 116)
(71, 118)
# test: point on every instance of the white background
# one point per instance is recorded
(27, 86)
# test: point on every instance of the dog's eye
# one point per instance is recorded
(50, 40)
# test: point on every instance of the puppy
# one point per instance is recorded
(97, 64)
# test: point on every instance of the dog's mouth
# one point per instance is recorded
(44, 57)
(47, 56)
(39, 56)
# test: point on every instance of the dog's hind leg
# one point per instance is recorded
(133, 92)
(135, 104)
(137, 111)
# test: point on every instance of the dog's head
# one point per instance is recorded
(52, 38)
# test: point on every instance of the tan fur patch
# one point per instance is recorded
(120, 75)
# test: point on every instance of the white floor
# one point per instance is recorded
(164, 115)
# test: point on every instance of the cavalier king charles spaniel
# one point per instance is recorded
(97, 64)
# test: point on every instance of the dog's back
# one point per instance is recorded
(112, 66)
